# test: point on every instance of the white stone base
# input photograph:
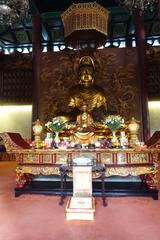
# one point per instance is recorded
(80, 208)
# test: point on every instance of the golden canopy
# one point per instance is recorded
(85, 22)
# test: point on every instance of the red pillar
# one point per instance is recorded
(141, 49)
(36, 54)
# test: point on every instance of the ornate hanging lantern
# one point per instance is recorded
(85, 23)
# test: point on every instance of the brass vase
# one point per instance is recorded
(56, 138)
(114, 139)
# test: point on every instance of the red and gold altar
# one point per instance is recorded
(117, 162)
(108, 141)
(121, 162)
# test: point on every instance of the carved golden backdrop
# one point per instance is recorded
(115, 72)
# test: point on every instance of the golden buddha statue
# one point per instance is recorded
(86, 91)
(88, 103)
(85, 99)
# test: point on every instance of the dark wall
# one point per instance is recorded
(16, 78)
(153, 72)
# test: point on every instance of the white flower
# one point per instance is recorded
(48, 124)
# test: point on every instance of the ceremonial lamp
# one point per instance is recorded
(85, 24)
(133, 128)
(37, 129)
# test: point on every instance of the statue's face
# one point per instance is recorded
(86, 75)
(84, 108)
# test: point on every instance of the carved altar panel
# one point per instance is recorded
(121, 158)
(31, 158)
(49, 158)
(106, 158)
(139, 158)
(62, 158)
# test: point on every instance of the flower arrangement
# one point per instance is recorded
(113, 122)
(57, 124)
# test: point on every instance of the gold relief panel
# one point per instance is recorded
(31, 158)
(106, 158)
(37, 170)
(121, 158)
(122, 171)
(139, 158)
(156, 156)
(132, 171)
(62, 158)
(48, 158)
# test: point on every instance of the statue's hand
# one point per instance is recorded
(72, 103)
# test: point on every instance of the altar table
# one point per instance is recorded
(117, 162)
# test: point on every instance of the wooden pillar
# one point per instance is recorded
(49, 47)
(36, 54)
(128, 42)
(141, 48)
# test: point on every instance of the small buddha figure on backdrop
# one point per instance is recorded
(84, 120)
(86, 91)
(85, 127)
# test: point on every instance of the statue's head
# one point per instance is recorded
(84, 107)
(86, 70)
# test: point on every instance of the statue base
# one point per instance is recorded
(80, 208)
(84, 137)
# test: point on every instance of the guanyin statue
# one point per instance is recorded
(86, 91)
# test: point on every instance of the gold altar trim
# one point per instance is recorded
(129, 171)
(37, 170)
(112, 171)
(101, 156)
(114, 150)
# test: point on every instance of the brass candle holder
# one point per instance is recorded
(133, 127)
(37, 130)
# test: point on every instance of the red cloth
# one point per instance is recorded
(154, 140)
(18, 140)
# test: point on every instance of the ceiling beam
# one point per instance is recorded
(46, 31)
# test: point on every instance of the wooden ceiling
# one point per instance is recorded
(121, 24)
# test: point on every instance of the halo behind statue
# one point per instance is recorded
(86, 61)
